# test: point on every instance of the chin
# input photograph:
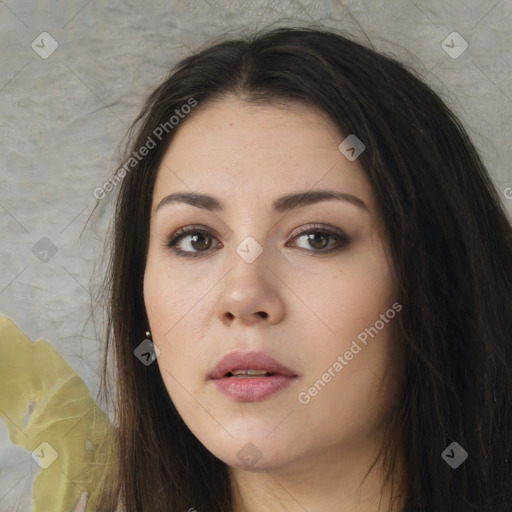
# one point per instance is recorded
(252, 454)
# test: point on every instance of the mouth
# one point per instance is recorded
(249, 365)
(249, 373)
(250, 376)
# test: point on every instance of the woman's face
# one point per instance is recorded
(300, 291)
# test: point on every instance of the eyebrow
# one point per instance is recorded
(283, 204)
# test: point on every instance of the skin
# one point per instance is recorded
(313, 456)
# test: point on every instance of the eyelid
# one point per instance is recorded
(193, 228)
(319, 227)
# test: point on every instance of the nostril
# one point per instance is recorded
(263, 314)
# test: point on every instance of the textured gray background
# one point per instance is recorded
(63, 117)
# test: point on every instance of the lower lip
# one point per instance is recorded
(252, 389)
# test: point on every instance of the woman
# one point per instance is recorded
(324, 272)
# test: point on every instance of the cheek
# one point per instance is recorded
(347, 299)
(349, 306)
(165, 307)
(351, 382)
(169, 296)
(172, 305)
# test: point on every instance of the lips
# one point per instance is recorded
(250, 376)
(240, 362)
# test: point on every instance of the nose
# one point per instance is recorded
(251, 293)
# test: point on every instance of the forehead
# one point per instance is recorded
(232, 146)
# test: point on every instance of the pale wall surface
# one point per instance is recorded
(62, 118)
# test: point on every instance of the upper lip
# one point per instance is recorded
(249, 361)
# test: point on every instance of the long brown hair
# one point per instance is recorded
(451, 246)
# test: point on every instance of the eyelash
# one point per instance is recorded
(181, 233)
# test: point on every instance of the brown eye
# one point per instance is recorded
(190, 241)
(200, 241)
(319, 239)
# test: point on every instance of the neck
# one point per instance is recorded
(339, 480)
